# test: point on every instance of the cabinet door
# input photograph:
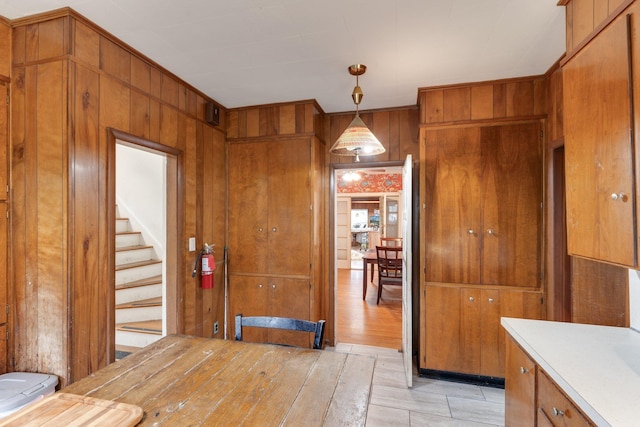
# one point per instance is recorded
(599, 150)
(453, 226)
(248, 295)
(453, 329)
(3, 264)
(289, 298)
(289, 207)
(4, 139)
(497, 304)
(248, 227)
(443, 324)
(511, 204)
(520, 387)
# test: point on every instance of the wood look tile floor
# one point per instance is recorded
(364, 328)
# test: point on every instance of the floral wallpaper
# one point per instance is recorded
(372, 183)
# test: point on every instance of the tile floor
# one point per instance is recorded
(429, 402)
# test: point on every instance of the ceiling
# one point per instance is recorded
(251, 52)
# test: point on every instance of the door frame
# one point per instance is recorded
(333, 167)
(174, 211)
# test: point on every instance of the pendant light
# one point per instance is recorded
(357, 139)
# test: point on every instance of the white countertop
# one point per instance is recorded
(598, 367)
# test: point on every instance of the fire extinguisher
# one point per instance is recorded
(207, 267)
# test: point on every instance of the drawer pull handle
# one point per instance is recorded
(260, 229)
(557, 412)
(472, 299)
(523, 370)
(490, 300)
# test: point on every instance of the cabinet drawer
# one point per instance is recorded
(554, 407)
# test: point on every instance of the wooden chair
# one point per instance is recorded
(282, 323)
(391, 241)
(389, 267)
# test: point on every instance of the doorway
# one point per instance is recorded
(143, 190)
(367, 206)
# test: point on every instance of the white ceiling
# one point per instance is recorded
(250, 52)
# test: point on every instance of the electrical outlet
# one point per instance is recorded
(215, 328)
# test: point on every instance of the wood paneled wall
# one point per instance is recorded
(396, 129)
(487, 101)
(584, 17)
(71, 82)
(286, 119)
(5, 49)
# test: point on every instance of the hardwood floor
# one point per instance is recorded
(364, 322)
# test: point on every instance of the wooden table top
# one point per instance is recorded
(184, 380)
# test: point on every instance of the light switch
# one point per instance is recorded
(192, 244)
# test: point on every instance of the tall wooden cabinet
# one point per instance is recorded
(483, 194)
(4, 210)
(601, 163)
(482, 222)
(274, 228)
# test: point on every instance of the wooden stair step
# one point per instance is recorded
(155, 280)
(146, 327)
(137, 264)
(150, 302)
(133, 248)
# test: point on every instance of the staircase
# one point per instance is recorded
(138, 290)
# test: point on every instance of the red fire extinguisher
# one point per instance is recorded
(207, 267)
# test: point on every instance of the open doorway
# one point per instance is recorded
(143, 180)
(367, 207)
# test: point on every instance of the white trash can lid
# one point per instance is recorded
(19, 388)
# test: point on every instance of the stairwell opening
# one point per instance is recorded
(145, 181)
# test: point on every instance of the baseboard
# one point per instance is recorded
(481, 380)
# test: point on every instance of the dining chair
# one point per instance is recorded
(285, 323)
(391, 241)
(389, 267)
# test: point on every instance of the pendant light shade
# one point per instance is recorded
(357, 139)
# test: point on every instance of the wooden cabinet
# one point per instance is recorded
(4, 140)
(270, 212)
(463, 332)
(520, 386)
(271, 296)
(4, 249)
(532, 398)
(482, 207)
(599, 149)
(554, 407)
(274, 261)
(482, 216)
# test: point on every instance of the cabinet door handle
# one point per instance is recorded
(557, 412)
(273, 286)
(259, 229)
(523, 370)
(490, 300)
(274, 229)
(471, 232)
(619, 196)
(472, 299)
(260, 285)
(491, 232)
